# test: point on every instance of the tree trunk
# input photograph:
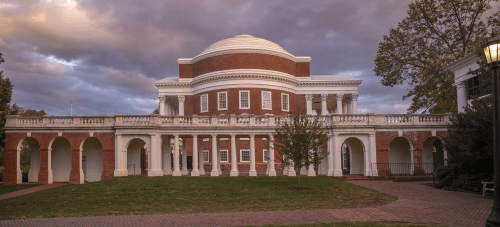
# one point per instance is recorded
(299, 179)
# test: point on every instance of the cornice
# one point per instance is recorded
(467, 59)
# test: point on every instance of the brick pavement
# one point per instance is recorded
(30, 190)
(417, 203)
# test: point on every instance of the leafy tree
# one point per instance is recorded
(297, 142)
(434, 34)
(5, 97)
(17, 110)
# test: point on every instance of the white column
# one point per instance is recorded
(366, 156)
(344, 108)
(291, 170)
(177, 171)
(20, 177)
(182, 98)
(215, 171)
(200, 158)
(234, 164)
(329, 157)
(162, 104)
(153, 153)
(310, 170)
(324, 110)
(167, 153)
(169, 108)
(303, 170)
(218, 157)
(50, 175)
(184, 170)
(354, 99)
(461, 96)
(337, 157)
(252, 171)
(285, 167)
(445, 154)
(412, 161)
(119, 159)
(309, 98)
(195, 171)
(339, 102)
(373, 154)
(270, 155)
(349, 105)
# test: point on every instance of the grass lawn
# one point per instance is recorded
(12, 188)
(359, 224)
(161, 195)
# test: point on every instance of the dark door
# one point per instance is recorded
(190, 162)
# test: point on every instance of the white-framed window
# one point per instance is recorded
(244, 155)
(267, 100)
(285, 102)
(264, 154)
(244, 99)
(205, 156)
(223, 156)
(244, 138)
(204, 103)
(206, 139)
(222, 100)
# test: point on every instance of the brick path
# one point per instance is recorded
(417, 203)
(30, 190)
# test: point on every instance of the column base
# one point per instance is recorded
(120, 173)
(267, 172)
(214, 173)
(252, 173)
(311, 173)
(337, 173)
(185, 172)
(155, 173)
(50, 177)
(82, 177)
(303, 171)
(272, 173)
(234, 173)
(176, 173)
(202, 172)
(291, 173)
(167, 172)
(195, 173)
(285, 171)
(220, 172)
(19, 176)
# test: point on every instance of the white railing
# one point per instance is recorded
(244, 120)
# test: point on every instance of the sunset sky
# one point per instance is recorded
(105, 55)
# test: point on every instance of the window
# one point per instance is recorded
(204, 103)
(264, 154)
(206, 139)
(266, 100)
(285, 102)
(244, 99)
(205, 156)
(223, 156)
(222, 100)
(477, 88)
(244, 155)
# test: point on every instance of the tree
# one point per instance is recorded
(297, 142)
(5, 97)
(434, 34)
(17, 110)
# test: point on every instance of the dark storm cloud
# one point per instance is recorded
(104, 55)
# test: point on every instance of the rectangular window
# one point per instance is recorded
(244, 155)
(205, 156)
(244, 99)
(204, 103)
(266, 100)
(477, 88)
(223, 156)
(222, 100)
(285, 102)
(264, 154)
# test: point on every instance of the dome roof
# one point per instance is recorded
(243, 43)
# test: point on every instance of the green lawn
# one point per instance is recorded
(12, 188)
(161, 195)
(358, 224)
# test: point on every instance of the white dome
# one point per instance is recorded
(243, 44)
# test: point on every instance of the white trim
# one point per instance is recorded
(206, 139)
(288, 100)
(208, 155)
(227, 156)
(244, 138)
(201, 103)
(248, 107)
(270, 100)
(218, 100)
(264, 154)
(241, 155)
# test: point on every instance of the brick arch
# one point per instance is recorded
(108, 153)
(11, 144)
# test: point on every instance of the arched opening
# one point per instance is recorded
(61, 159)
(353, 156)
(400, 161)
(136, 151)
(92, 159)
(29, 159)
(432, 154)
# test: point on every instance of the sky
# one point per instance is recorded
(104, 56)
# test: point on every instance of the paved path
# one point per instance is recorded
(30, 190)
(417, 203)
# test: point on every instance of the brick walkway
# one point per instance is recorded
(30, 190)
(417, 203)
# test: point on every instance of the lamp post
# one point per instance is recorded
(491, 50)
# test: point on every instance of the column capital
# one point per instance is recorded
(339, 97)
(461, 84)
(195, 135)
(252, 135)
(324, 97)
(232, 135)
(162, 98)
(354, 96)
(309, 97)
(372, 134)
(181, 98)
(176, 135)
(119, 134)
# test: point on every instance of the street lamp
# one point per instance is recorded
(491, 50)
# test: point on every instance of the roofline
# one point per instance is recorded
(462, 61)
